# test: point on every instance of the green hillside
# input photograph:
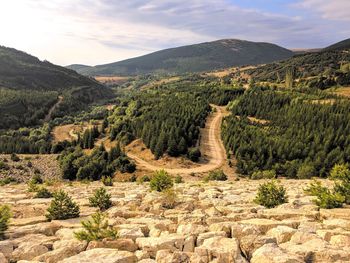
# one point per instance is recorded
(345, 44)
(321, 70)
(194, 58)
(30, 87)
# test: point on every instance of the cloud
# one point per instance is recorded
(338, 10)
(101, 31)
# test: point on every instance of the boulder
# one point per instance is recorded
(154, 244)
(221, 248)
(340, 241)
(336, 223)
(191, 229)
(120, 244)
(281, 233)
(167, 256)
(6, 248)
(207, 235)
(264, 225)
(132, 233)
(271, 253)
(3, 259)
(102, 255)
(28, 251)
(250, 243)
(69, 249)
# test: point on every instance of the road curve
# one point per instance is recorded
(212, 148)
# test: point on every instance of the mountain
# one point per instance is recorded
(194, 58)
(78, 67)
(324, 69)
(29, 88)
(345, 44)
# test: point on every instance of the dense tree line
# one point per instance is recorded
(168, 118)
(300, 139)
(76, 165)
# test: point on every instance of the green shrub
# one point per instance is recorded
(14, 157)
(4, 166)
(270, 194)
(161, 181)
(97, 228)
(329, 200)
(62, 207)
(315, 188)
(266, 174)
(7, 180)
(107, 180)
(217, 175)
(36, 179)
(169, 198)
(340, 172)
(343, 188)
(133, 178)
(306, 171)
(101, 199)
(194, 154)
(43, 192)
(178, 179)
(5, 215)
(144, 179)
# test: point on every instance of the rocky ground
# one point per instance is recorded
(215, 222)
(45, 164)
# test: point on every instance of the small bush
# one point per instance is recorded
(36, 179)
(5, 215)
(133, 178)
(194, 154)
(178, 180)
(161, 181)
(266, 174)
(315, 188)
(306, 171)
(32, 187)
(29, 164)
(7, 180)
(169, 198)
(101, 199)
(340, 172)
(144, 179)
(14, 157)
(4, 166)
(329, 200)
(97, 228)
(62, 207)
(270, 194)
(107, 180)
(343, 188)
(217, 175)
(43, 192)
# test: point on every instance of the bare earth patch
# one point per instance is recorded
(345, 91)
(69, 132)
(22, 171)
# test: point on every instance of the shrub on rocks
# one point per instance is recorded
(329, 199)
(107, 180)
(14, 157)
(101, 199)
(270, 194)
(178, 180)
(161, 181)
(97, 228)
(5, 215)
(266, 174)
(144, 179)
(62, 207)
(169, 198)
(43, 193)
(217, 175)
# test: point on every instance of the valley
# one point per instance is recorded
(215, 157)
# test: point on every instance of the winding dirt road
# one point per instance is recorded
(53, 108)
(212, 148)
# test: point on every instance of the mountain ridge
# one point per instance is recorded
(193, 58)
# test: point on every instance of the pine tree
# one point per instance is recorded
(182, 146)
(172, 148)
(62, 207)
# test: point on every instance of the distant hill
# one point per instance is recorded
(327, 68)
(345, 44)
(78, 67)
(194, 58)
(30, 87)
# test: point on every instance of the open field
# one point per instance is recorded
(344, 91)
(69, 132)
(110, 80)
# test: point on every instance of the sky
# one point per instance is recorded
(96, 32)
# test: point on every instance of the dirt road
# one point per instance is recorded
(49, 114)
(211, 146)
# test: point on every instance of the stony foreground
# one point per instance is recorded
(215, 222)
